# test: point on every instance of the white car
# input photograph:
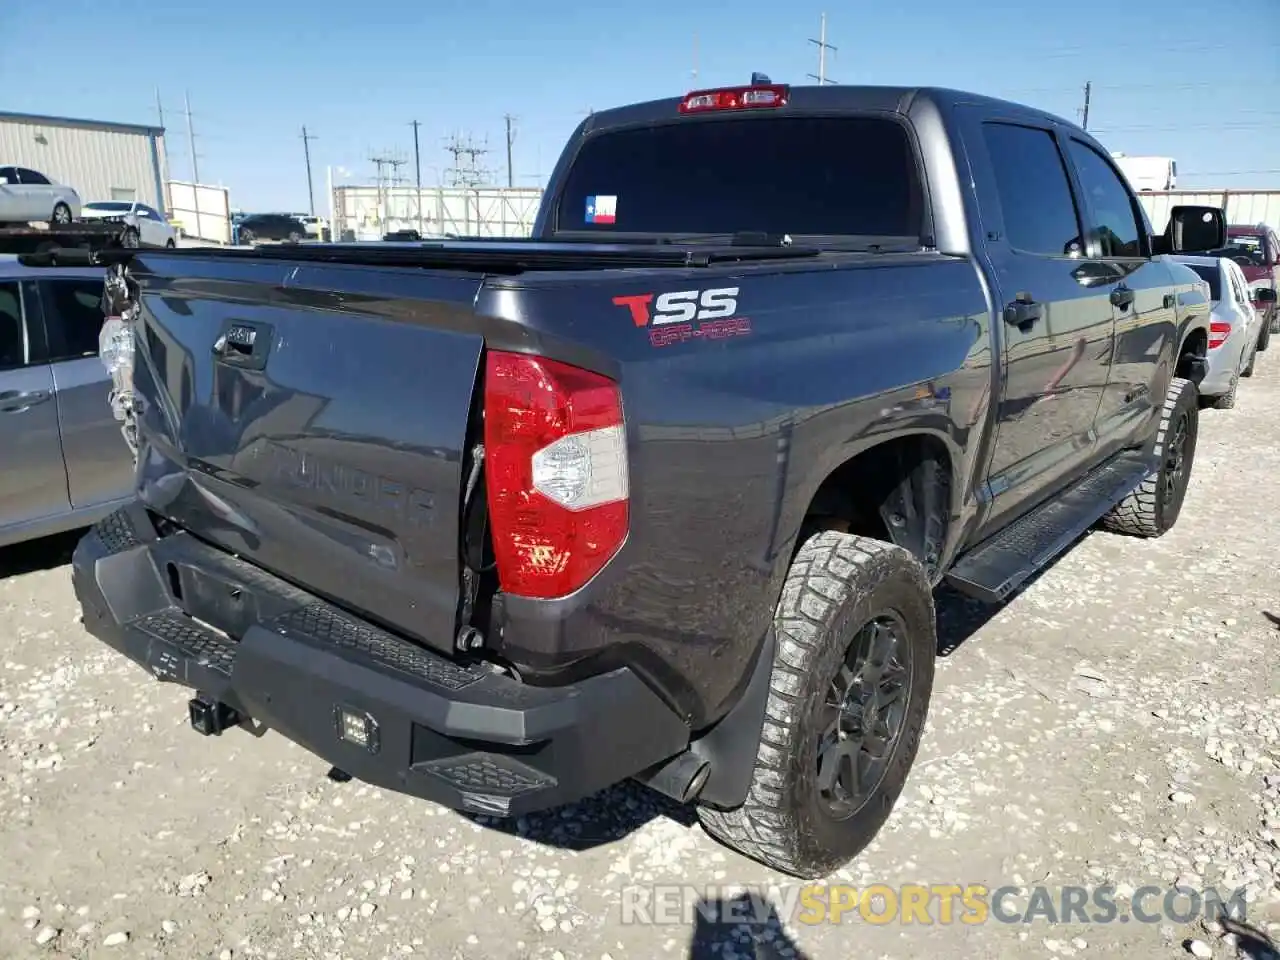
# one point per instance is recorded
(28, 196)
(1234, 328)
(150, 227)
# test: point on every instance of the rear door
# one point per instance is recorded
(1140, 291)
(1055, 323)
(99, 464)
(33, 483)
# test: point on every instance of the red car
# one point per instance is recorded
(1257, 250)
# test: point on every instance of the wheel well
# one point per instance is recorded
(1195, 346)
(898, 491)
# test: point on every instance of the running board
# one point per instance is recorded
(993, 570)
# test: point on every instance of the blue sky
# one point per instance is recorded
(1196, 81)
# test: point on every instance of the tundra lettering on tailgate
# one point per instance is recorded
(682, 315)
(347, 485)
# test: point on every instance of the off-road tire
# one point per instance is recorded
(1248, 371)
(1148, 511)
(1264, 336)
(838, 583)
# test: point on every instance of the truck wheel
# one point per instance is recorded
(1153, 508)
(856, 641)
(1264, 337)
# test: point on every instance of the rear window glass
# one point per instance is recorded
(1212, 276)
(780, 175)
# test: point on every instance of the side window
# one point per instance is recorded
(31, 176)
(1242, 288)
(1035, 194)
(1114, 226)
(13, 332)
(8, 175)
(73, 316)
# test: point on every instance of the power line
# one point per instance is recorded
(306, 151)
(823, 47)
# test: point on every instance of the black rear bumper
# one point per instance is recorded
(463, 736)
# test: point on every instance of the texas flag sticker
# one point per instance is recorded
(602, 209)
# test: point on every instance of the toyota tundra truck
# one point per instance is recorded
(663, 492)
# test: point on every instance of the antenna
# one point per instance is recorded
(823, 47)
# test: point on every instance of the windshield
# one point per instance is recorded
(815, 176)
(1247, 246)
(109, 206)
(1212, 276)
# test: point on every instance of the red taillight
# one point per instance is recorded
(736, 98)
(556, 472)
(1218, 333)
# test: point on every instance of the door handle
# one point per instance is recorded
(1122, 297)
(243, 344)
(1023, 313)
(15, 401)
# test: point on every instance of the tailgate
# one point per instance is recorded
(313, 423)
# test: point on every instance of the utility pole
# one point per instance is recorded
(823, 47)
(195, 165)
(191, 140)
(1088, 90)
(164, 159)
(417, 172)
(306, 150)
(511, 176)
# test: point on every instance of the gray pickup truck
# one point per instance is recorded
(663, 492)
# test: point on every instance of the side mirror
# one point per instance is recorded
(1194, 229)
(1264, 295)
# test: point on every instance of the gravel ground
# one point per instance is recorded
(1116, 723)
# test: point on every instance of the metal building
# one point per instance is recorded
(101, 160)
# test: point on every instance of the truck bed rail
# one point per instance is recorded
(506, 256)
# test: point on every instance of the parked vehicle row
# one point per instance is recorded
(1239, 327)
(28, 196)
(663, 492)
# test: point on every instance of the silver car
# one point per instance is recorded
(65, 464)
(1234, 328)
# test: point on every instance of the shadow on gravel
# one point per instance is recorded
(598, 820)
(1275, 621)
(34, 555)
(739, 928)
(959, 618)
